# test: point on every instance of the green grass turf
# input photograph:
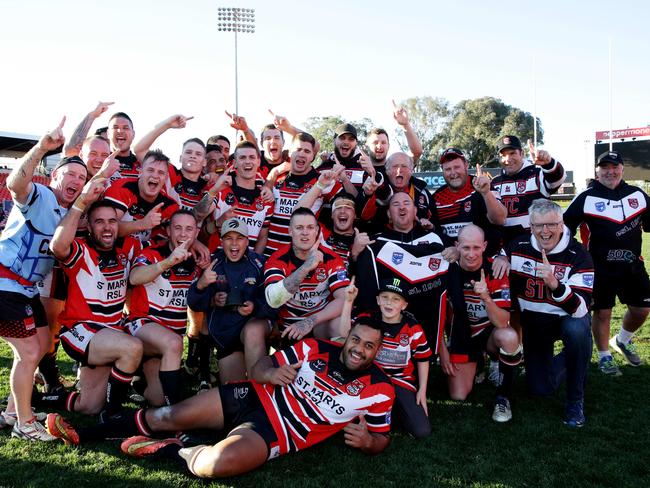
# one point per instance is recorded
(466, 447)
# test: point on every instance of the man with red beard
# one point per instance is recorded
(141, 204)
(188, 184)
(161, 277)
(25, 260)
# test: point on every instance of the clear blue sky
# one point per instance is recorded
(156, 58)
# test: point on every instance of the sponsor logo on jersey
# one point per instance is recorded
(122, 259)
(230, 198)
(588, 279)
(388, 418)
(468, 206)
(434, 264)
(178, 188)
(521, 187)
(505, 293)
(397, 258)
(336, 376)
(527, 267)
(341, 275)
(633, 202)
(422, 202)
(559, 272)
(250, 281)
(28, 310)
(600, 206)
(259, 205)
(355, 388)
(241, 392)
(321, 274)
(403, 340)
(318, 365)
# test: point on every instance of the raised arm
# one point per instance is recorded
(402, 118)
(146, 274)
(19, 181)
(177, 121)
(73, 147)
(66, 230)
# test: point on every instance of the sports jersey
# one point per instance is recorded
(248, 206)
(470, 314)
(613, 221)
(25, 256)
(163, 300)
(324, 397)
(129, 166)
(572, 266)
(182, 190)
(422, 199)
(314, 292)
(341, 244)
(286, 192)
(266, 166)
(97, 282)
(401, 344)
(415, 260)
(125, 194)
(353, 170)
(456, 209)
(518, 191)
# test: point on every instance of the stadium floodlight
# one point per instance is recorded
(237, 20)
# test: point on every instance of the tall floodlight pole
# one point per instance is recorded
(235, 19)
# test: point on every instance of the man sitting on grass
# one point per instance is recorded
(299, 397)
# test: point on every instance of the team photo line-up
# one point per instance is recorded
(328, 284)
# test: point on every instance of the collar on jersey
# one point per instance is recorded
(559, 247)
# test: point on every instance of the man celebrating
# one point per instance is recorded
(306, 282)
(612, 214)
(299, 397)
(409, 252)
(25, 260)
(465, 199)
(161, 277)
(551, 279)
(480, 323)
(523, 181)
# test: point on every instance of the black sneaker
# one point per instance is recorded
(575, 415)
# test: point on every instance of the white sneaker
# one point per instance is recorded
(33, 431)
(502, 411)
(10, 419)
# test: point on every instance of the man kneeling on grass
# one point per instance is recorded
(299, 396)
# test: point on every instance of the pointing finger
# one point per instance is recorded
(297, 365)
(189, 118)
(544, 258)
(271, 112)
(62, 123)
(228, 114)
(394, 104)
(478, 170)
(531, 146)
(482, 275)
(352, 280)
(158, 207)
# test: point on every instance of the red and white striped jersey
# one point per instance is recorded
(315, 291)
(324, 397)
(499, 290)
(98, 282)
(163, 300)
(185, 192)
(287, 192)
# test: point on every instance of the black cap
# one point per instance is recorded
(450, 154)
(345, 129)
(609, 157)
(394, 286)
(72, 159)
(508, 142)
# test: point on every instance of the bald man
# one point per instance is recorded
(481, 323)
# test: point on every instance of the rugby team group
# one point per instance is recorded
(342, 264)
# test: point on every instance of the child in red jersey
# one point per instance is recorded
(404, 353)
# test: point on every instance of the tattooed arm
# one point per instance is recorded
(19, 181)
(73, 147)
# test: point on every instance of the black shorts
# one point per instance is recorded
(21, 315)
(76, 340)
(478, 344)
(242, 408)
(632, 289)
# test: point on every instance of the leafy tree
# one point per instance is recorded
(428, 117)
(323, 129)
(475, 126)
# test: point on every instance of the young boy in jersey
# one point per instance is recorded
(403, 355)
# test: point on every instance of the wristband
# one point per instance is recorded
(79, 205)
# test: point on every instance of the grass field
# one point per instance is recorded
(466, 448)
